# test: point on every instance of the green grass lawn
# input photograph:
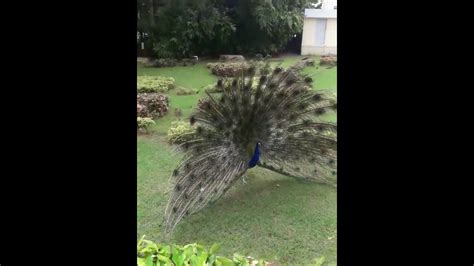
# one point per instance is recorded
(272, 216)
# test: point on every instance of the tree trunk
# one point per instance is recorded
(152, 13)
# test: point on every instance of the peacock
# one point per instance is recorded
(270, 120)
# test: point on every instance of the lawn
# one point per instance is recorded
(272, 216)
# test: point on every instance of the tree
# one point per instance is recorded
(180, 28)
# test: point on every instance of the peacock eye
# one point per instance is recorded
(317, 97)
(320, 111)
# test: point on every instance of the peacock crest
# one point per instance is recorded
(272, 121)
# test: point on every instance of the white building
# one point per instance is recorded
(320, 30)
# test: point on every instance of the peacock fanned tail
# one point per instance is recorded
(280, 112)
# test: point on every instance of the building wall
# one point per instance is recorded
(309, 28)
(331, 32)
(308, 43)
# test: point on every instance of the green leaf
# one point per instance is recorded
(200, 247)
(164, 260)
(188, 252)
(141, 261)
(165, 251)
(148, 261)
(224, 261)
(211, 259)
(140, 241)
(240, 260)
(178, 257)
(199, 260)
(214, 248)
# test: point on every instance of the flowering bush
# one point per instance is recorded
(152, 105)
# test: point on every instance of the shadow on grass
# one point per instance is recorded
(265, 217)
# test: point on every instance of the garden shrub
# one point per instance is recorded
(302, 64)
(162, 62)
(170, 62)
(233, 69)
(330, 60)
(150, 254)
(185, 91)
(212, 88)
(141, 110)
(154, 84)
(178, 130)
(228, 69)
(144, 122)
(231, 57)
(152, 104)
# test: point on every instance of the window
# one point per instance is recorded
(321, 32)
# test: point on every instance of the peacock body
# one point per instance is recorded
(274, 124)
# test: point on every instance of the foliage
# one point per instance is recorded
(154, 84)
(212, 88)
(178, 132)
(150, 253)
(182, 28)
(328, 60)
(266, 26)
(228, 69)
(233, 69)
(189, 27)
(169, 62)
(144, 122)
(229, 57)
(152, 104)
(184, 91)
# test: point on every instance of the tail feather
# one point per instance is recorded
(280, 111)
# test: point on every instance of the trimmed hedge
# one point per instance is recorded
(152, 105)
(178, 130)
(328, 60)
(144, 122)
(154, 84)
(185, 91)
(169, 62)
(228, 69)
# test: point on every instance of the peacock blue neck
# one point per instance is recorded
(255, 157)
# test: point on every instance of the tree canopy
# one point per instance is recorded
(182, 28)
